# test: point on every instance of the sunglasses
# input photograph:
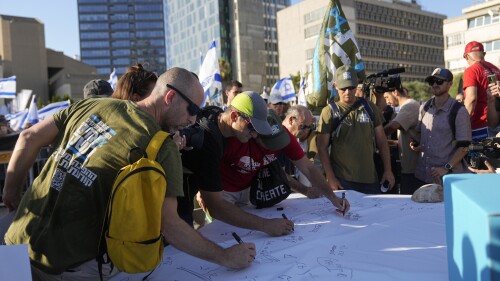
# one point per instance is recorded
(348, 88)
(437, 81)
(249, 123)
(305, 127)
(192, 108)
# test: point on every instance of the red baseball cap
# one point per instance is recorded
(473, 46)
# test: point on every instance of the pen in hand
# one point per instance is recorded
(284, 216)
(343, 204)
(238, 239)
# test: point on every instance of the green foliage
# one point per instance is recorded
(296, 81)
(225, 71)
(419, 91)
(455, 88)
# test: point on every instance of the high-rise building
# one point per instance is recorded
(389, 33)
(480, 22)
(244, 30)
(120, 33)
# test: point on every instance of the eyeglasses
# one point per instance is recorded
(437, 81)
(348, 88)
(305, 127)
(249, 123)
(192, 109)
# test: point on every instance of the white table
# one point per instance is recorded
(383, 237)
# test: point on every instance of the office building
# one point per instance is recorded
(120, 33)
(479, 22)
(244, 30)
(389, 33)
(48, 73)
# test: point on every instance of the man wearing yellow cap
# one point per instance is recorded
(243, 119)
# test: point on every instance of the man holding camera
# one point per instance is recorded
(350, 163)
(477, 76)
(437, 154)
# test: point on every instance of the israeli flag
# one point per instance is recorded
(52, 108)
(113, 79)
(17, 119)
(8, 88)
(284, 88)
(210, 77)
(33, 112)
(302, 90)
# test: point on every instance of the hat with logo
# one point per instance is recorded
(440, 73)
(252, 105)
(346, 76)
(279, 138)
(97, 88)
(473, 46)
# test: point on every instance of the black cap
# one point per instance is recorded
(97, 88)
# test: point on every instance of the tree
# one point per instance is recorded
(296, 80)
(455, 88)
(225, 71)
(419, 91)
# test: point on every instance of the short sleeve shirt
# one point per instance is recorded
(436, 138)
(407, 117)
(242, 161)
(352, 147)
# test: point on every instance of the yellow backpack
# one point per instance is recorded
(132, 226)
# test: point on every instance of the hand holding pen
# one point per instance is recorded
(342, 204)
(242, 255)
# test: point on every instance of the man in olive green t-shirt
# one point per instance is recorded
(350, 165)
(61, 216)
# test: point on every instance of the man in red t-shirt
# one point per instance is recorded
(475, 88)
(242, 161)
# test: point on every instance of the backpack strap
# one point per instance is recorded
(453, 115)
(155, 144)
(368, 108)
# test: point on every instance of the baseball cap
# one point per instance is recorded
(275, 97)
(251, 104)
(440, 73)
(346, 76)
(279, 138)
(97, 88)
(473, 46)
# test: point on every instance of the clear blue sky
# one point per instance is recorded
(61, 18)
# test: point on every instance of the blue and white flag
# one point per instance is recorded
(113, 79)
(8, 88)
(301, 97)
(52, 108)
(284, 89)
(33, 112)
(210, 77)
(16, 120)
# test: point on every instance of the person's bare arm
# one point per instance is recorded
(183, 237)
(493, 115)
(391, 127)
(323, 142)
(314, 175)
(233, 215)
(383, 148)
(470, 99)
(25, 152)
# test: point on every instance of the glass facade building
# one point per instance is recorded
(245, 33)
(121, 33)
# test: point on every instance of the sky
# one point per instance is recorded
(60, 18)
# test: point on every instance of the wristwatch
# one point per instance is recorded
(448, 167)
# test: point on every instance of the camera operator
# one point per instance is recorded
(437, 154)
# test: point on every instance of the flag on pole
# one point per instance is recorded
(33, 112)
(113, 79)
(301, 96)
(283, 89)
(336, 46)
(16, 120)
(52, 108)
(8, 87)
(210, 77)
